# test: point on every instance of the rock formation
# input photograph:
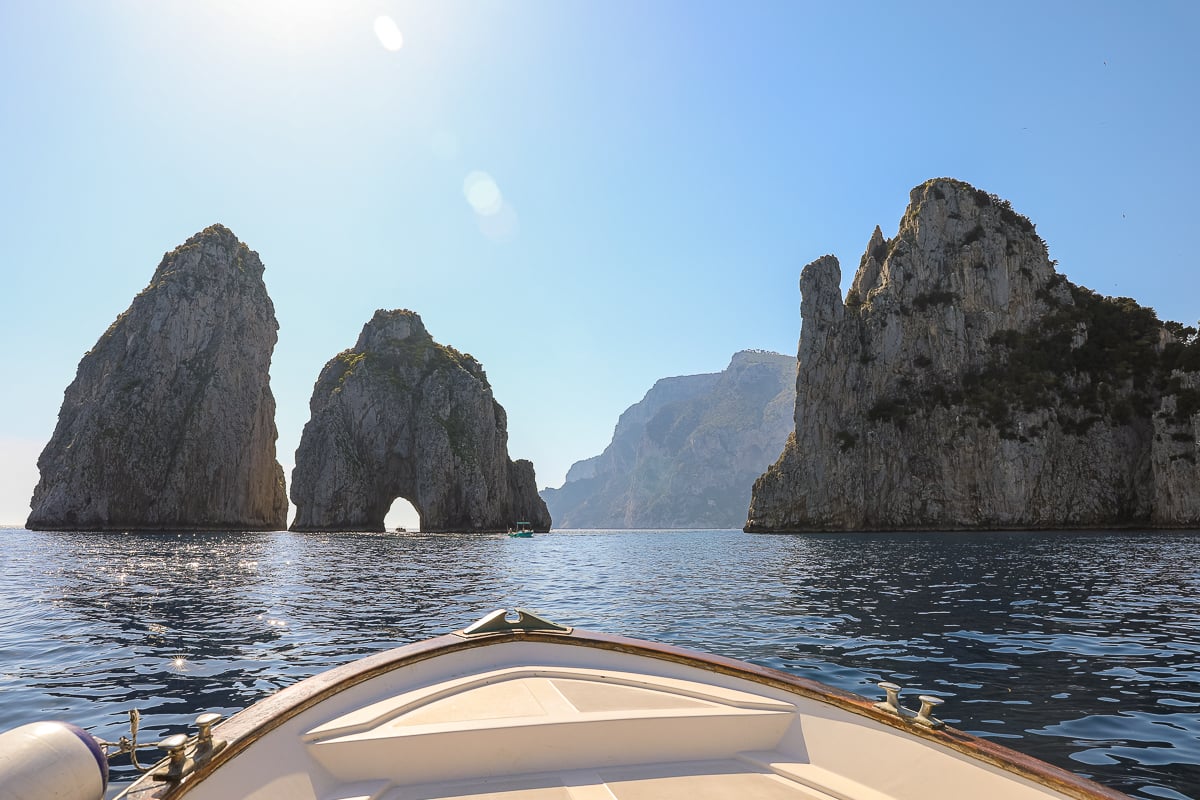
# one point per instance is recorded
(964, 384)
(170, 421)
(400, 415)
(688, 453)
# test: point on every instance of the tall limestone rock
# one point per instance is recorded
(964, 384)
(688, 453)
(170, 421)
(400, 415)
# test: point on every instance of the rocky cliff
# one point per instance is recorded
(400, 415)
(688, 453)
(965, 384)
(170, 421)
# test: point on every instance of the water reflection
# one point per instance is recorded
(1080, 649)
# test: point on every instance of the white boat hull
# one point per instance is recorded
(584, 716)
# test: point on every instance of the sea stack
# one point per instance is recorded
(964, 384)
(170, 421)
(399, 415)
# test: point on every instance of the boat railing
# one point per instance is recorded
(185, 753)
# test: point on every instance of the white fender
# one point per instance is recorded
(51, 761)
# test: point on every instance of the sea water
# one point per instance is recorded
(1082, 649)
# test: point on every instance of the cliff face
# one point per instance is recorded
(400, 415)
(688, 453)
(170, 421)
(965, 384)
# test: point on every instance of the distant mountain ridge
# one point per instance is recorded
(688, 453)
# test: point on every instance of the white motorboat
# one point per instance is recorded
(524, 708)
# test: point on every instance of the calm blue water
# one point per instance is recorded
(1081, 649)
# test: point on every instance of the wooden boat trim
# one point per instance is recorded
(246, 727)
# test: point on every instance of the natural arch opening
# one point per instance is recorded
(402, 514)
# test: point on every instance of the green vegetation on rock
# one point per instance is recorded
(1096, 359)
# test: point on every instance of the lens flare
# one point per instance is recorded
(501, 226)
(482, 193)
(388, 33)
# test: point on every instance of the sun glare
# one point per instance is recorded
(298, 24)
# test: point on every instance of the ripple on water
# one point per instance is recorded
(1080, 649)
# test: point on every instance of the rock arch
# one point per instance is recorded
(402, 513)
(399, 415)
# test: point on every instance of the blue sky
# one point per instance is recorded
(660, 172)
